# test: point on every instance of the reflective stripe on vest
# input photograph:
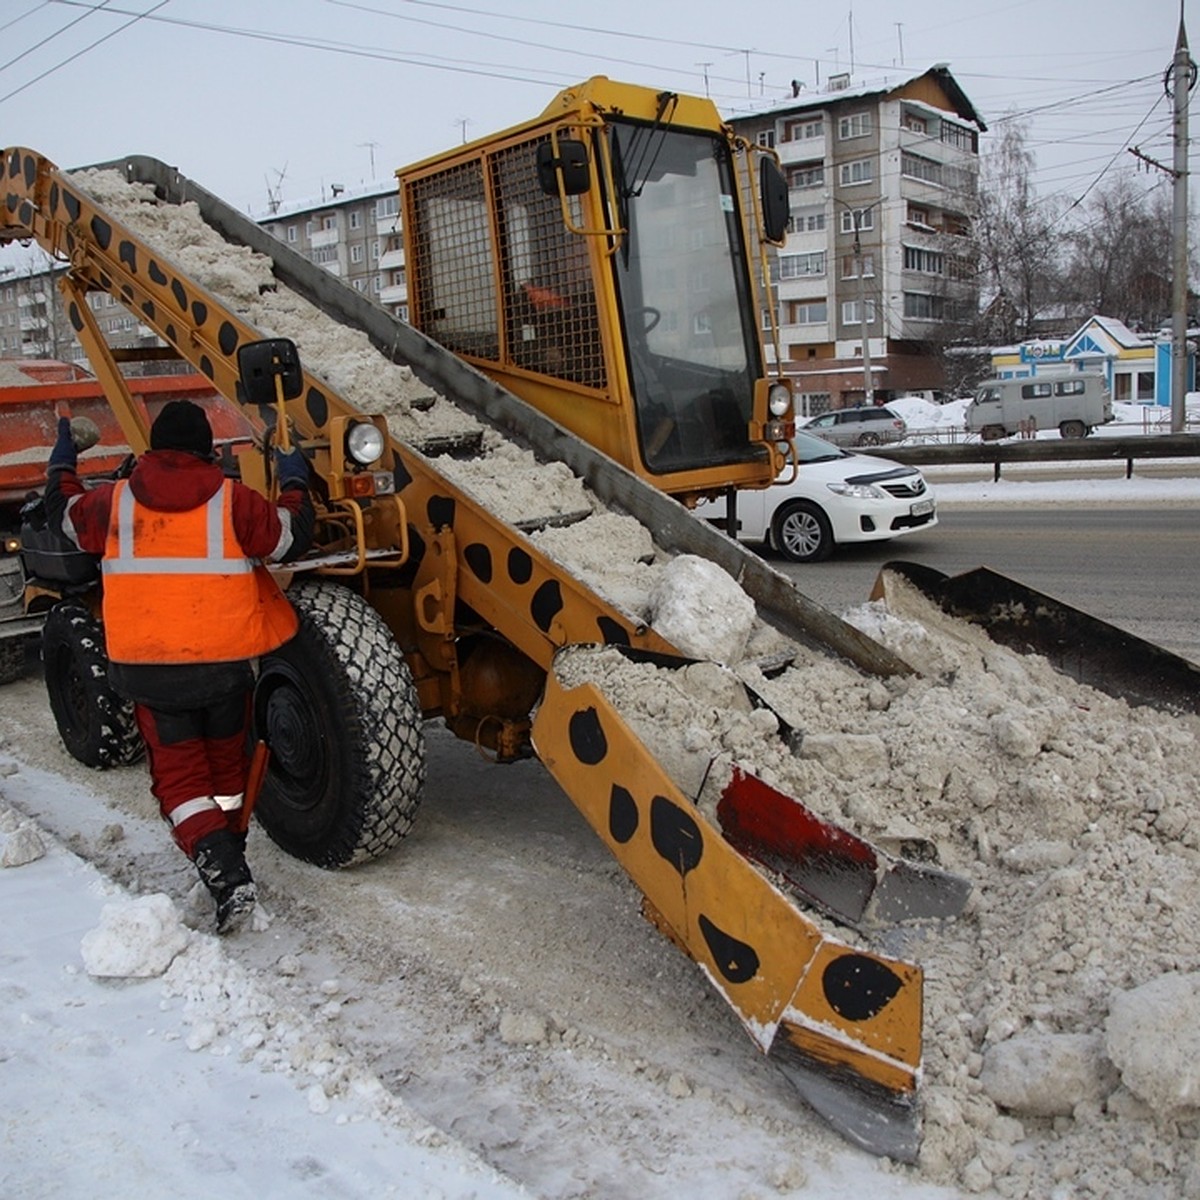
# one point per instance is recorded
(214, 561)
(179, 589)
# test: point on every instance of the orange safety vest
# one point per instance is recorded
(178, 588)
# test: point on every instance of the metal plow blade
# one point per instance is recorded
(831, 868)
(880, 1120)
(1081, 646)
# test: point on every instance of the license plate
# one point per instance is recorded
(921, 508)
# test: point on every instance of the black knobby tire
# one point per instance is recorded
(96, 725)
(801, 532)
(338, 708)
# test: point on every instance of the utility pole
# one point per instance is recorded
(1180, 79)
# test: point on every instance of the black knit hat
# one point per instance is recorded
(182, 425)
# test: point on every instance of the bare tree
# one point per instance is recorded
(1016, 240)
(1120, 254)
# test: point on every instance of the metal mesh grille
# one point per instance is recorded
(549, 300)
(455, 281)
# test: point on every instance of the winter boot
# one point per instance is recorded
(223, 870)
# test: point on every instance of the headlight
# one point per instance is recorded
(364, 443)
(856, 491)
(779, 399)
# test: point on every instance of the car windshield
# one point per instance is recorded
(811, 449)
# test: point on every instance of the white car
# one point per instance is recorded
(836, 497)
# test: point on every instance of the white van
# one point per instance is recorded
(1072, 404)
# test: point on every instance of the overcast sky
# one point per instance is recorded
(252, 96)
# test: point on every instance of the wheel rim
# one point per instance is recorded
(801, 533)
(285, 716)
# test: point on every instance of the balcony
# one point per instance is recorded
(324, 237)
(392, 259)
(397, 293)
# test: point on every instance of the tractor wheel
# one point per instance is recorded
(338, 708)
(96, 725)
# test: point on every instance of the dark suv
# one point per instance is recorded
(874, 426)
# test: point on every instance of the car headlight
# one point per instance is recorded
(856, 491)
(779, 399)
(364, 443)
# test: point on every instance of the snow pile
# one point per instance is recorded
(699, 608)
(20, 840)
(512, 485)
(136, 939)
(11, 375)
(1060, 1039)
(244, 282)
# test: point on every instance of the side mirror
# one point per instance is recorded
(571, 166)
(776, 208)
(261, 363)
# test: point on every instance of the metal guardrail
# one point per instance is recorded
(1095, 449)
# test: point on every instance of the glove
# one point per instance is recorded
(64, 456)
(291, 469)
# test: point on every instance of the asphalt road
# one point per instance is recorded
(1138, 568)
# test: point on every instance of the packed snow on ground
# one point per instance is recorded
(485, 1010)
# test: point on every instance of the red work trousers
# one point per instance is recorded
(196, 755)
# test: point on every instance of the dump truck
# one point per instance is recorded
(30, 392)
(424, 598)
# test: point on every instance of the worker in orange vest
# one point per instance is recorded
(187, 610)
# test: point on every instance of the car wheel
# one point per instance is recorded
(800, 531)
(1072, 429)
(868, 439)
(992, 433)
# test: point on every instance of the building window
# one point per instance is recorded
(850, 266)
(864, 216)
(862, 170)
(810, 312)
(375, 250)
(802, 130)
(766, 138)
(360, 285)
(918, 216)
(355, 219)
(958, 136)
(913, 123)
(799, 266)
(928, 262)
(806, 175)
(916, 167)
(356, 254)
(922, 307)
(807, 220)
(375, 285)
(850, 312)
(387, 206)
(855, 125)
(291, 233)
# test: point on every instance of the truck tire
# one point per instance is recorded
(338, 708)
(96, 725)
(801, 532)
(992, 433)
(1072, 429)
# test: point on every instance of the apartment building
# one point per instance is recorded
(883, 180)
(354, 235)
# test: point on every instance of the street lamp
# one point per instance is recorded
(858, 215)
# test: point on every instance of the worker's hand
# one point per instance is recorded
(291, 469)
(64, 456)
